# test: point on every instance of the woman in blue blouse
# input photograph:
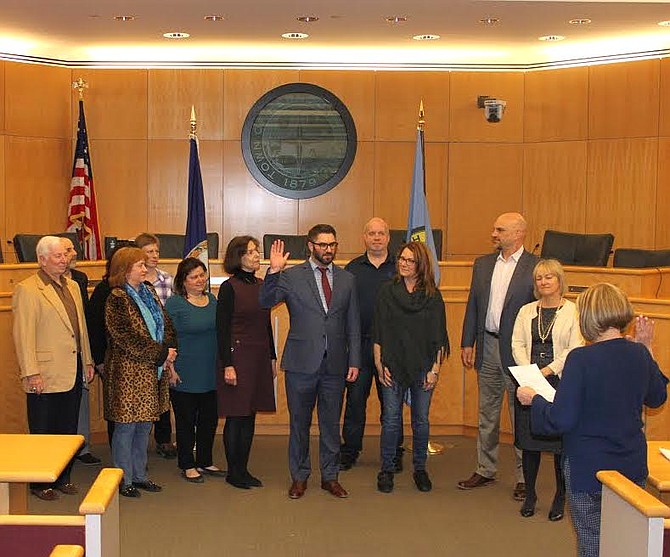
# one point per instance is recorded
(193, 394)
(598, 405)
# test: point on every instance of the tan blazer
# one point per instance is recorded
(43, 336)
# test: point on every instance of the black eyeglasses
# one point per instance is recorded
(324, 245)
(406, 260)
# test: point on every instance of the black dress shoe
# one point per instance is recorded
(239, 483)
(148, 485)
(557, 508)
(129, 491)
(87, 459)
(528, 508)
(422, 481)
(385, 482)
(217, 472)
(252, 481)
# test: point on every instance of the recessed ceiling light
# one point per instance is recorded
(176, 35)
(213, 18)
(124, 17)
(580, 21)
(396, 19)
(489, 20)
(307, 18)
(664, 23)
(551, 38)
(295, 35)
(426, 37)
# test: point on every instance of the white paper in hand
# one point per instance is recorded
(531, 376)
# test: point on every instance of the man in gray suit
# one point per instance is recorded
(502, 282)
(321, 352)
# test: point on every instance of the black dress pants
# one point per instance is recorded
(56, 413)
(196, 418)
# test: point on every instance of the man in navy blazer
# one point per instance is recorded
(321, 352)
(502, 282)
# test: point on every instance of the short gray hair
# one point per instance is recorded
(46, 245)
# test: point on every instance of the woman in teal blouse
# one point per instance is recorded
(193, 395)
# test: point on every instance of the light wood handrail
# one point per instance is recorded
(634, 495)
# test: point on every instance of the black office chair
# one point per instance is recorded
(641, 258)
(587, 250)
(172, 245)
(25, 244)
(294, 243)
(398, 239)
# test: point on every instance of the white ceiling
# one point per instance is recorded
(347, 34)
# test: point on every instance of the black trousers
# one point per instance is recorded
(196, 417)
(163, 429)
(56, 413)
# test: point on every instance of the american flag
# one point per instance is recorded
(82, 215)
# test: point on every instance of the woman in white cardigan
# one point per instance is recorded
(544, 332)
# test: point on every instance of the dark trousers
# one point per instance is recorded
(238, 436)
(355, 409)
(163, 429)
(195, 419)
(303, 392)
(56, 414)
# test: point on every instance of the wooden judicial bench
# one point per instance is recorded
(95, 531)
(454, 405)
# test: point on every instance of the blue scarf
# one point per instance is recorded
(151, 312)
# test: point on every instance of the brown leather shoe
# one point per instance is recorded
(297, 489)
(334, 488)
(519, 493)
(45, 494)
(68, 488)
(474, 481)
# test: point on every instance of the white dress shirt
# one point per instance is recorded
(502, 275)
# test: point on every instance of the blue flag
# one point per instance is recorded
(195, 244)
(418, 221)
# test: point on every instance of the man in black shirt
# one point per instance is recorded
(371, 269)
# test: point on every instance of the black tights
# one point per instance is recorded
(238, 435)
(531, 465)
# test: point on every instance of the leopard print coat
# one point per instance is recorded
(132, 391)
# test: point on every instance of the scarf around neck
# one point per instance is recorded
(151, 313)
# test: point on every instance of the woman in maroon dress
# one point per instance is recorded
(247, 353)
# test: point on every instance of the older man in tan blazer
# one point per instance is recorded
(53, 352)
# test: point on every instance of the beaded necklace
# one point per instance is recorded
(544, 334)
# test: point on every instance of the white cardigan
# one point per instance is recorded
(565, 335)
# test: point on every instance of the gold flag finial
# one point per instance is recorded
(422, 121)
(80, 85)
(194, 124)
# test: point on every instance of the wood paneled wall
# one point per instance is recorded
(579, 149)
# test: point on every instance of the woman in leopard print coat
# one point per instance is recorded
(138, 365)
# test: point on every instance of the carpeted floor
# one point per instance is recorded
(214, 519)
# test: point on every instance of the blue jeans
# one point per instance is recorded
(129, 450)
(393, 400)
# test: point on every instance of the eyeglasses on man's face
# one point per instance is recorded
(324, 246)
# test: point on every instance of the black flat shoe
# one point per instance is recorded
(422, 481)
(385, 482)
(212, 472)
(148, 485)
(193, 479)
(528, 508)
(237, 482)
(557, 508)
(252, 481)
(129, 491)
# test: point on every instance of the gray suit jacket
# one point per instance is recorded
(519, 293)
(314, 332)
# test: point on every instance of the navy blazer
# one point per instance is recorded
(312, 331)
(519, 293)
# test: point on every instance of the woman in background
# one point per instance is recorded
(410, 344)
(140, 350)
(598, 405)
(247, 353)
(544, 333)
(193, 394)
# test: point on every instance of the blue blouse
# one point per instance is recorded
(598, 410)
(196, 338)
